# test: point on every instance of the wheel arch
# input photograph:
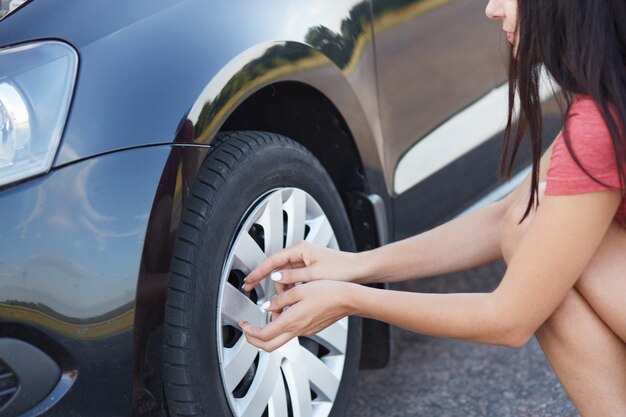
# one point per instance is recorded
(275, 86)
(305, 115)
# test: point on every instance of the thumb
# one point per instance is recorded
(280, 301)
(291, 276)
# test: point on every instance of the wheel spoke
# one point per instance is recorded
(236, 306)
(333, 243)
(278, 402)
(321, 232)
(295, 372)
(323, 381)
(262, 388)
(295, 206)
(321, 408)
(237, 361)
(272, 221)
(333, 337)
(284, 379)
(248, 255)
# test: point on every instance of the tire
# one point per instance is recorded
(208, 367)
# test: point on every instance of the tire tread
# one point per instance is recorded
(229, 151)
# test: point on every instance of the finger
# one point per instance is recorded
(281, 288)
(270, 331)
(291, 276)
(278, 260)
(282, 300)
(271, 345)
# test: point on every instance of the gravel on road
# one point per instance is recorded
(435, 377)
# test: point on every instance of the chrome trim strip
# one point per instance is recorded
(61, 388)
(499, 193)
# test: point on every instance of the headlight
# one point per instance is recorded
(7, 6)
(36, 85)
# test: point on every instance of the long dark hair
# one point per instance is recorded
(582, 45)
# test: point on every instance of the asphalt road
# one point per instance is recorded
(444, 378)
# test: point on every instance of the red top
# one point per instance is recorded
(591, 142)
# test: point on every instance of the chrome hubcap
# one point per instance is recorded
(302, 377)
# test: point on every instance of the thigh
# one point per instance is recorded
(603, 284)
(588, 358)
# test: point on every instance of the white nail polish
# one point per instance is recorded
(265, 306)
(276, 276)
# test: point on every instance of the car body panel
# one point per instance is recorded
(70, 272)
(444, 56)
(199, 70)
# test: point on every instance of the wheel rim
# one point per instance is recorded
(302, 377)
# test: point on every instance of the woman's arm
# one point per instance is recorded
(459, 244)
(552, 255)
(462, 243)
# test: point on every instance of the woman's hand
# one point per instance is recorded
(311, 308)
(305, 262)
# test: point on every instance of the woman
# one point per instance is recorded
(564, 242)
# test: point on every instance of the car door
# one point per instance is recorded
(436, 59)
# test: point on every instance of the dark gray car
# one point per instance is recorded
(153, 152)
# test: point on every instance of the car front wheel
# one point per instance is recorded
(255, 194)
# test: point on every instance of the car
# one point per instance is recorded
(153, 152)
